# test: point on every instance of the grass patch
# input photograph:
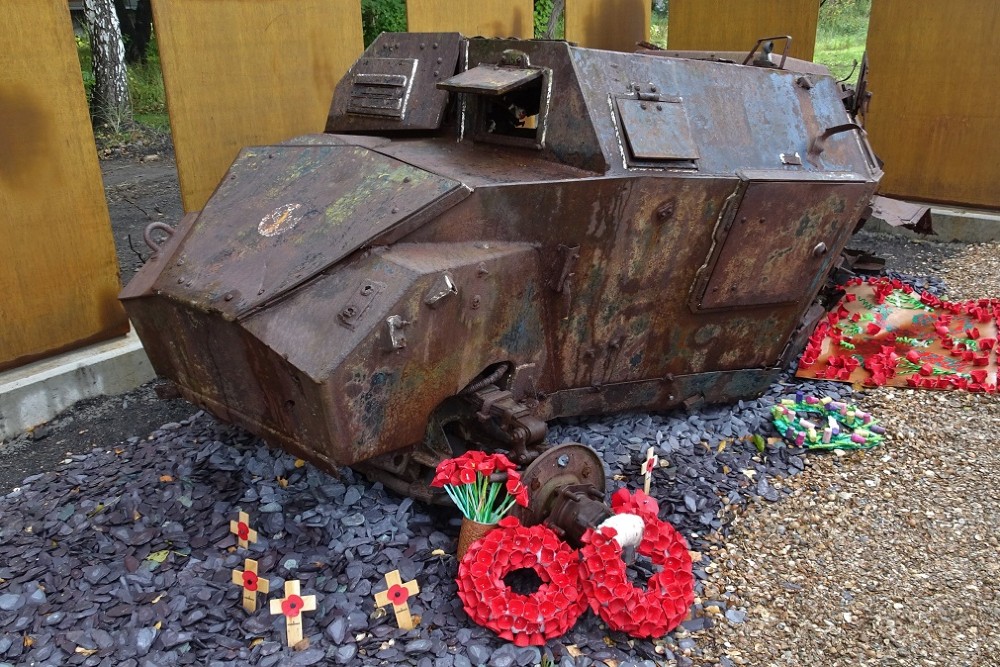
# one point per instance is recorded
(841, 36)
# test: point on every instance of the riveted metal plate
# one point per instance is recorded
(657, 130)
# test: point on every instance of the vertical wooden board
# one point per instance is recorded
(486, 18)
(59, 277)
(241, 73)
(615, 25)
(734, 25)
(935, 105)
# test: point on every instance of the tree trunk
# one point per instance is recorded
(110, 103)
(558, 7)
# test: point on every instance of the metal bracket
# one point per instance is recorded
(394, 330)
(767, 51)
(350, 314)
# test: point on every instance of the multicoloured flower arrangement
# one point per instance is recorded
(823, 423)
(469, 481)
(524, 619)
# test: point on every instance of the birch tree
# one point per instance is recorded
(110, 104)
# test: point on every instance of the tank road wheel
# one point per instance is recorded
(566, 486)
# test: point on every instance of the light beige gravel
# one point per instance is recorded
(889, 557)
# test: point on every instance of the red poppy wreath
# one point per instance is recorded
(524, 619)
(669, 593)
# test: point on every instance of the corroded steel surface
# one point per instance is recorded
(569, 232)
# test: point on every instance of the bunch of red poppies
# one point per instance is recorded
(468, 481)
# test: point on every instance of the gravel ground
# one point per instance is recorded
(889, 557)
(882, 558)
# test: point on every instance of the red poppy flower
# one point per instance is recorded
(398, 594)
(249, 580)
(466, 475)
(243, 531)
(291, 606)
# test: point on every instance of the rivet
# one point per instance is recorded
(395, 209)
(228, 296)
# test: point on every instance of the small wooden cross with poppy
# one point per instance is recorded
(251, 584)
(292, 606)
(647, 468)
(397, 594)
(244, 534)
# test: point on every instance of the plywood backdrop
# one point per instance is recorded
(243, 72)
(935, 107)
(486, 18)
(59, 274)
(735, 25)
(615, 25)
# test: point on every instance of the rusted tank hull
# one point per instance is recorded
(650, 236)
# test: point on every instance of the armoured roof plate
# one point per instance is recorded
(283, 214)
(490, 79)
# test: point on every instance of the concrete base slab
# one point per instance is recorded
(35, 393)
(952, 224)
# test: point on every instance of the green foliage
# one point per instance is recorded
(543, 10)
(378, 16)
(841, 35)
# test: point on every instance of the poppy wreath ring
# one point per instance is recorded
(524, 619)
(624, 607)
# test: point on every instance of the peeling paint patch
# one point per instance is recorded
(280, 220)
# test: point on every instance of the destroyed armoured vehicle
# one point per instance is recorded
(494, 233)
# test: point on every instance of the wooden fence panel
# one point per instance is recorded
(487, 18)
(615, 25)
(59, 277)
(734, 25)
(241, 73)
(935, 105)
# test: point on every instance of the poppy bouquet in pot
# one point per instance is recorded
(484, 486)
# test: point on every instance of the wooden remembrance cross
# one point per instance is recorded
(397, 594)
(292, 606)
(251, 583)
(647, 468)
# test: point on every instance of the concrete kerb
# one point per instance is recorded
(33, 394)
(952, 224)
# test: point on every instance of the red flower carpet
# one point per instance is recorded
(884, 333)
